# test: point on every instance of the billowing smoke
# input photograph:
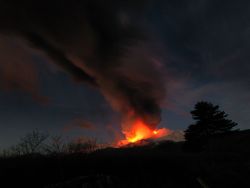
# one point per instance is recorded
(17, 72)
(102, 43)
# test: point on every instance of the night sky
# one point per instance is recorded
(76, 67)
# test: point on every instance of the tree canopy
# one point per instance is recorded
(210, 121)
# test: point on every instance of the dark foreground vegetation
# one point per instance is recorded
(224, 162)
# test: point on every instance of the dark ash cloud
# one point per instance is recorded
(113, 45)
(97, 42)
(17, 70)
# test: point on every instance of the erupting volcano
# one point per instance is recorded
(119, 59)
(136, 129)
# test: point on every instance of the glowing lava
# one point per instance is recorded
(138, 130)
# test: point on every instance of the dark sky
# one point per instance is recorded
(76, 67)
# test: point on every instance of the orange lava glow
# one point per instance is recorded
(138, 130)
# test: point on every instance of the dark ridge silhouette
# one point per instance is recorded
(223, 163)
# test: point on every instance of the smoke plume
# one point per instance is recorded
(98, 42)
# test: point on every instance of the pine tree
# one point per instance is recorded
(210, 121)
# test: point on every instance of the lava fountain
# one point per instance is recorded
(136, 129)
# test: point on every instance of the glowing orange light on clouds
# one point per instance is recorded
(137, 130)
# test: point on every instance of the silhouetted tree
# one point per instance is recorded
(56, 145)
(210, 121)
(82, 145)
(31, 143)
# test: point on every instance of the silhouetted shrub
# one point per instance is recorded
(82, 146)
(55, 145)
